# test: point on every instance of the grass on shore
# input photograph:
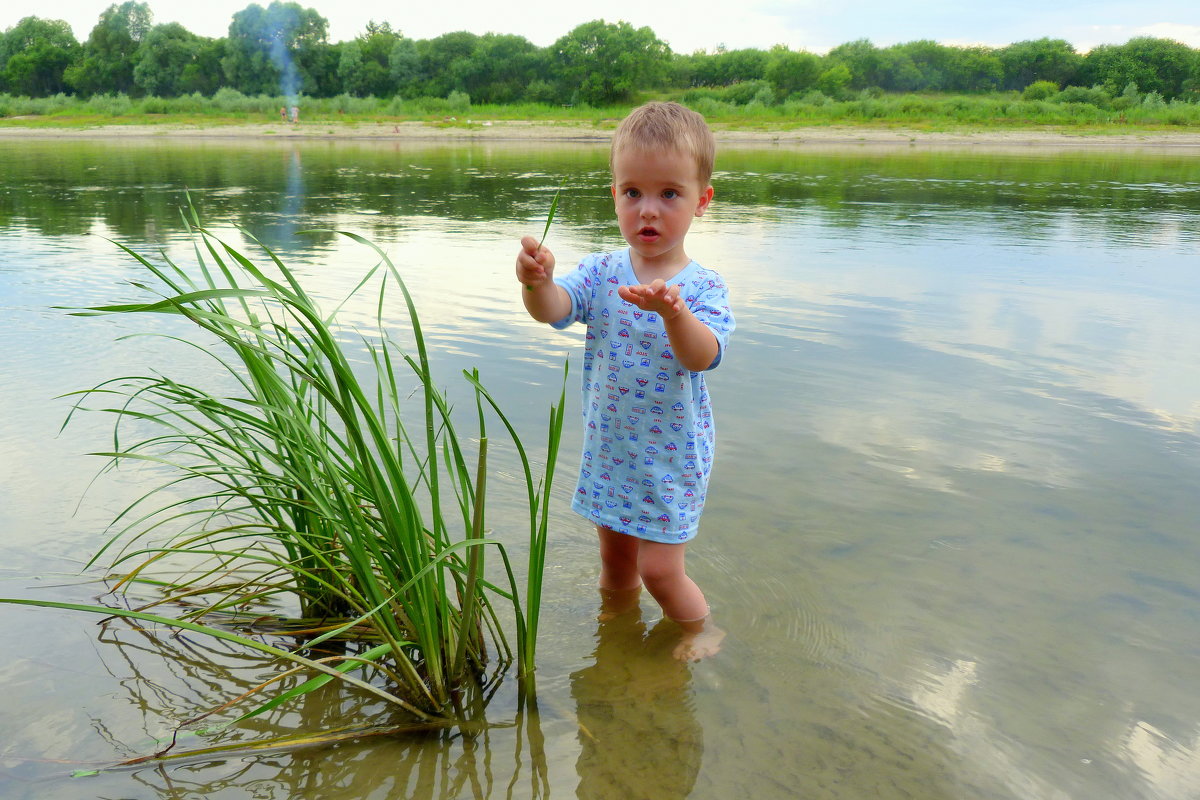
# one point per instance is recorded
(999, 111)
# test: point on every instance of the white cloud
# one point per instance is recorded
(1093, 35)
(1188, 34)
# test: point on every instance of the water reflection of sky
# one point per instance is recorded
(1109, 324)
(958, 429)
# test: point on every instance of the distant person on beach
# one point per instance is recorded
(295, 114)
(283, 114)
(656, 322)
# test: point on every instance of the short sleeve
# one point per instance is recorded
(709, 302)
(579, 284)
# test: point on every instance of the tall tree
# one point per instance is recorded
(108, 54)
(376, 46)
(973, 69)
(1053, 60)
(445, 60)
(862, 59)
(606, 63)
(789, 72)
(499, 69)
(275, 50)
(350, 70)
(34, 54)
(203, 73)
(172, 61)
(899, 73)
(404, 67)
(922, 65)
(729, 66)
(1153, 65)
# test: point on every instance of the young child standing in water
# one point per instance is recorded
(656, 321)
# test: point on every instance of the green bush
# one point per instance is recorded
(915, 105)
(227, 99)
(1182, 114)
(349, 104)
(456, 103)
(541, 91)
(709, 106)
(1040, 90)
(152, 105)
(739, 94)
(233, 101)
(744, 92)
(1095, 96)
(193, 103)
(763, 97)
(111, 104)
(696, 94)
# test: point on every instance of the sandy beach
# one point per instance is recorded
(529, 132)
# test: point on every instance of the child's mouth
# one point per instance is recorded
(647, 234)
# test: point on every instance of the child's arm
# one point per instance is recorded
(694, 344)
(544, 299)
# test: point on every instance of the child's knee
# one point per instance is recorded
(659, 572)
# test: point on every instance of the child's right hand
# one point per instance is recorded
(535, 265)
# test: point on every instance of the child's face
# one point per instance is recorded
(657, 196)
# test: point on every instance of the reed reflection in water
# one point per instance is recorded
(952, 530)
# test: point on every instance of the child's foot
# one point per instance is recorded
(615, 602)
(701, 639)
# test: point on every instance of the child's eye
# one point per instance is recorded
(670, 194)
(632, 193)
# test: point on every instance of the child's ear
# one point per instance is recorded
(706, 197)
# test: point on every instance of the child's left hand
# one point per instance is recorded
(658, 297)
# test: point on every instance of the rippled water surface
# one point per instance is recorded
(952, 533)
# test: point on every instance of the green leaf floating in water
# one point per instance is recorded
(549, 219)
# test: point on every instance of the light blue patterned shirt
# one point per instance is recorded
(649, 438)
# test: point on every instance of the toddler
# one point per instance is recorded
(656, 321)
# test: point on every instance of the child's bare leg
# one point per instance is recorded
(615, 602)
(618, 561)
(662, 570)
(620, 584)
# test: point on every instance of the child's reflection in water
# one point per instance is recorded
(637, 725)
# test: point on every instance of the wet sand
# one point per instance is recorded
(527, 132)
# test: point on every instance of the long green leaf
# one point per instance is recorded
(225, 636)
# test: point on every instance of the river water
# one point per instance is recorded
(952, 529)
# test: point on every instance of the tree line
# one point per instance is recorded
(284, 50)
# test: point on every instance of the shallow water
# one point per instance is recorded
(951, 533)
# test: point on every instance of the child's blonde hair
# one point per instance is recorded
(659, 127)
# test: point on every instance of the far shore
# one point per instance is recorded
(529, 132)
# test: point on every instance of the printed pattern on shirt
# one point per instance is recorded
(649, 438)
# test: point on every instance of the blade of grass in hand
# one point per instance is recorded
(549, 217)
(545, 230)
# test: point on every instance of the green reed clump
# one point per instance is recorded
(309, 481)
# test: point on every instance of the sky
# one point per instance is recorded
(690, 25)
